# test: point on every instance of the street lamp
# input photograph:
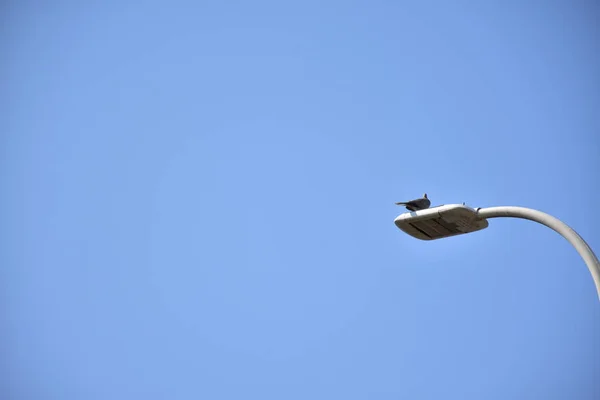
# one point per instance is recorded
(457, 219)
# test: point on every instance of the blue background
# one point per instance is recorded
(197, 200)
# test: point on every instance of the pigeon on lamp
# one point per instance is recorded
(417, 204)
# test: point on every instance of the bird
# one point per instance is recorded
(417, 204)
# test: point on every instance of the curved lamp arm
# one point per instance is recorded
(557, 225)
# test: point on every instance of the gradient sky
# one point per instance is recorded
(198, 200)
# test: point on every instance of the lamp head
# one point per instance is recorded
(440, 222)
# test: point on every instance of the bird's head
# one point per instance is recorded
(424, 195)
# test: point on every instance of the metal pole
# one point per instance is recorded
(557, 225)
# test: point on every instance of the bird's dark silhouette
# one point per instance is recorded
(417, 204)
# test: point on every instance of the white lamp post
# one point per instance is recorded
(457, 219)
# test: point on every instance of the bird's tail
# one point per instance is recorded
(401, 204)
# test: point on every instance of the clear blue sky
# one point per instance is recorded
(197, 200)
